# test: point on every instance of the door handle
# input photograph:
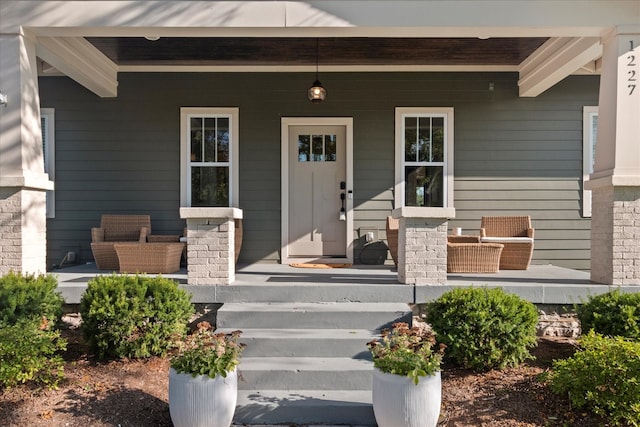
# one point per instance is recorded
(343, 211)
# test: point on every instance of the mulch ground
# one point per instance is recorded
(134, 393)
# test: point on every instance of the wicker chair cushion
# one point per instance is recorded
(506, 240)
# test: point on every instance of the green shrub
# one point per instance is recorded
(133, 316)
(30, 353)
(29, 297)
(612, 314)
(29, 346)
(604, 376)
(484, 328)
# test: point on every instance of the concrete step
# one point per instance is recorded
(306, 342)
(304, 373)
(341, 290)
(304, 407)
(372, 316)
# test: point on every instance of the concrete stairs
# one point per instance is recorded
(307, 362)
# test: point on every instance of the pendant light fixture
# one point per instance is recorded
(316, 92)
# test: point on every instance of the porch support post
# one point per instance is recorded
(615, 225)
(23, 183)
(422, 245)
(210, 245)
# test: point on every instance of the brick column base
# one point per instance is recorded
(23, 231)
(210, 251)
(615, 231)
(422, 251)
(210, 245)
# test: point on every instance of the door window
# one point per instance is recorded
(317, 148)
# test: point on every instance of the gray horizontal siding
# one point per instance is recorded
(512, 155)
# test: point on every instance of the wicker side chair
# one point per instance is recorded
(515, 233)
(393, 225)
(117, 228)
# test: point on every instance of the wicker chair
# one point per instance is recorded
(473, 257)
(117, 228)
(515, 233)
(393, 225)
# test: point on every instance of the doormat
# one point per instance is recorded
(322, 265)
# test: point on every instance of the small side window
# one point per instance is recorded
(47, 122)
(589, 134)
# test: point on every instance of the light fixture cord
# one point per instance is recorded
(317, 48)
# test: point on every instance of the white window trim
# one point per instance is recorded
(234, 137)
(401, 113)
(49, 154)
(588, 113)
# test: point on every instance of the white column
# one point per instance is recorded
(615, 226)
(23, 242)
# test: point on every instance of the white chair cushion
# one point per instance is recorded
(506, 240)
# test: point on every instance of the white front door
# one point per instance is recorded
(317, 190)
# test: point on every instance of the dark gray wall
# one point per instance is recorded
(512, 155)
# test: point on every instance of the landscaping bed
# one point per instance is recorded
(134, 393)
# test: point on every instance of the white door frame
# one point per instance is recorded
(286, 122)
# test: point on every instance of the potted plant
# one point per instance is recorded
(203, 379)
(407, 389)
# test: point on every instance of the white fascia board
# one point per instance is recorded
(555, 60)
(81, 61)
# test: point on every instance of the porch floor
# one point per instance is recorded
(271, 282)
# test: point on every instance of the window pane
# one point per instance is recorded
(317, 148)
(223, 139)
(410, 139)
(424, 186)
(437, 139)
(196, 139)
(304, 148)
(424, 139)
(210, 186)
(209, 140)
(330, 148)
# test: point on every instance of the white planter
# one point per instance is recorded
(202, 401)
(398, 402)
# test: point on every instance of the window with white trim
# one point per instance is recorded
(424, 157)
(209, 170)
(589, 135)
(47, 123)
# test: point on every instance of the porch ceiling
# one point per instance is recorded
(332, 51)
(95, 61)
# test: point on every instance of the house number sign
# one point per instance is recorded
(632, 74)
